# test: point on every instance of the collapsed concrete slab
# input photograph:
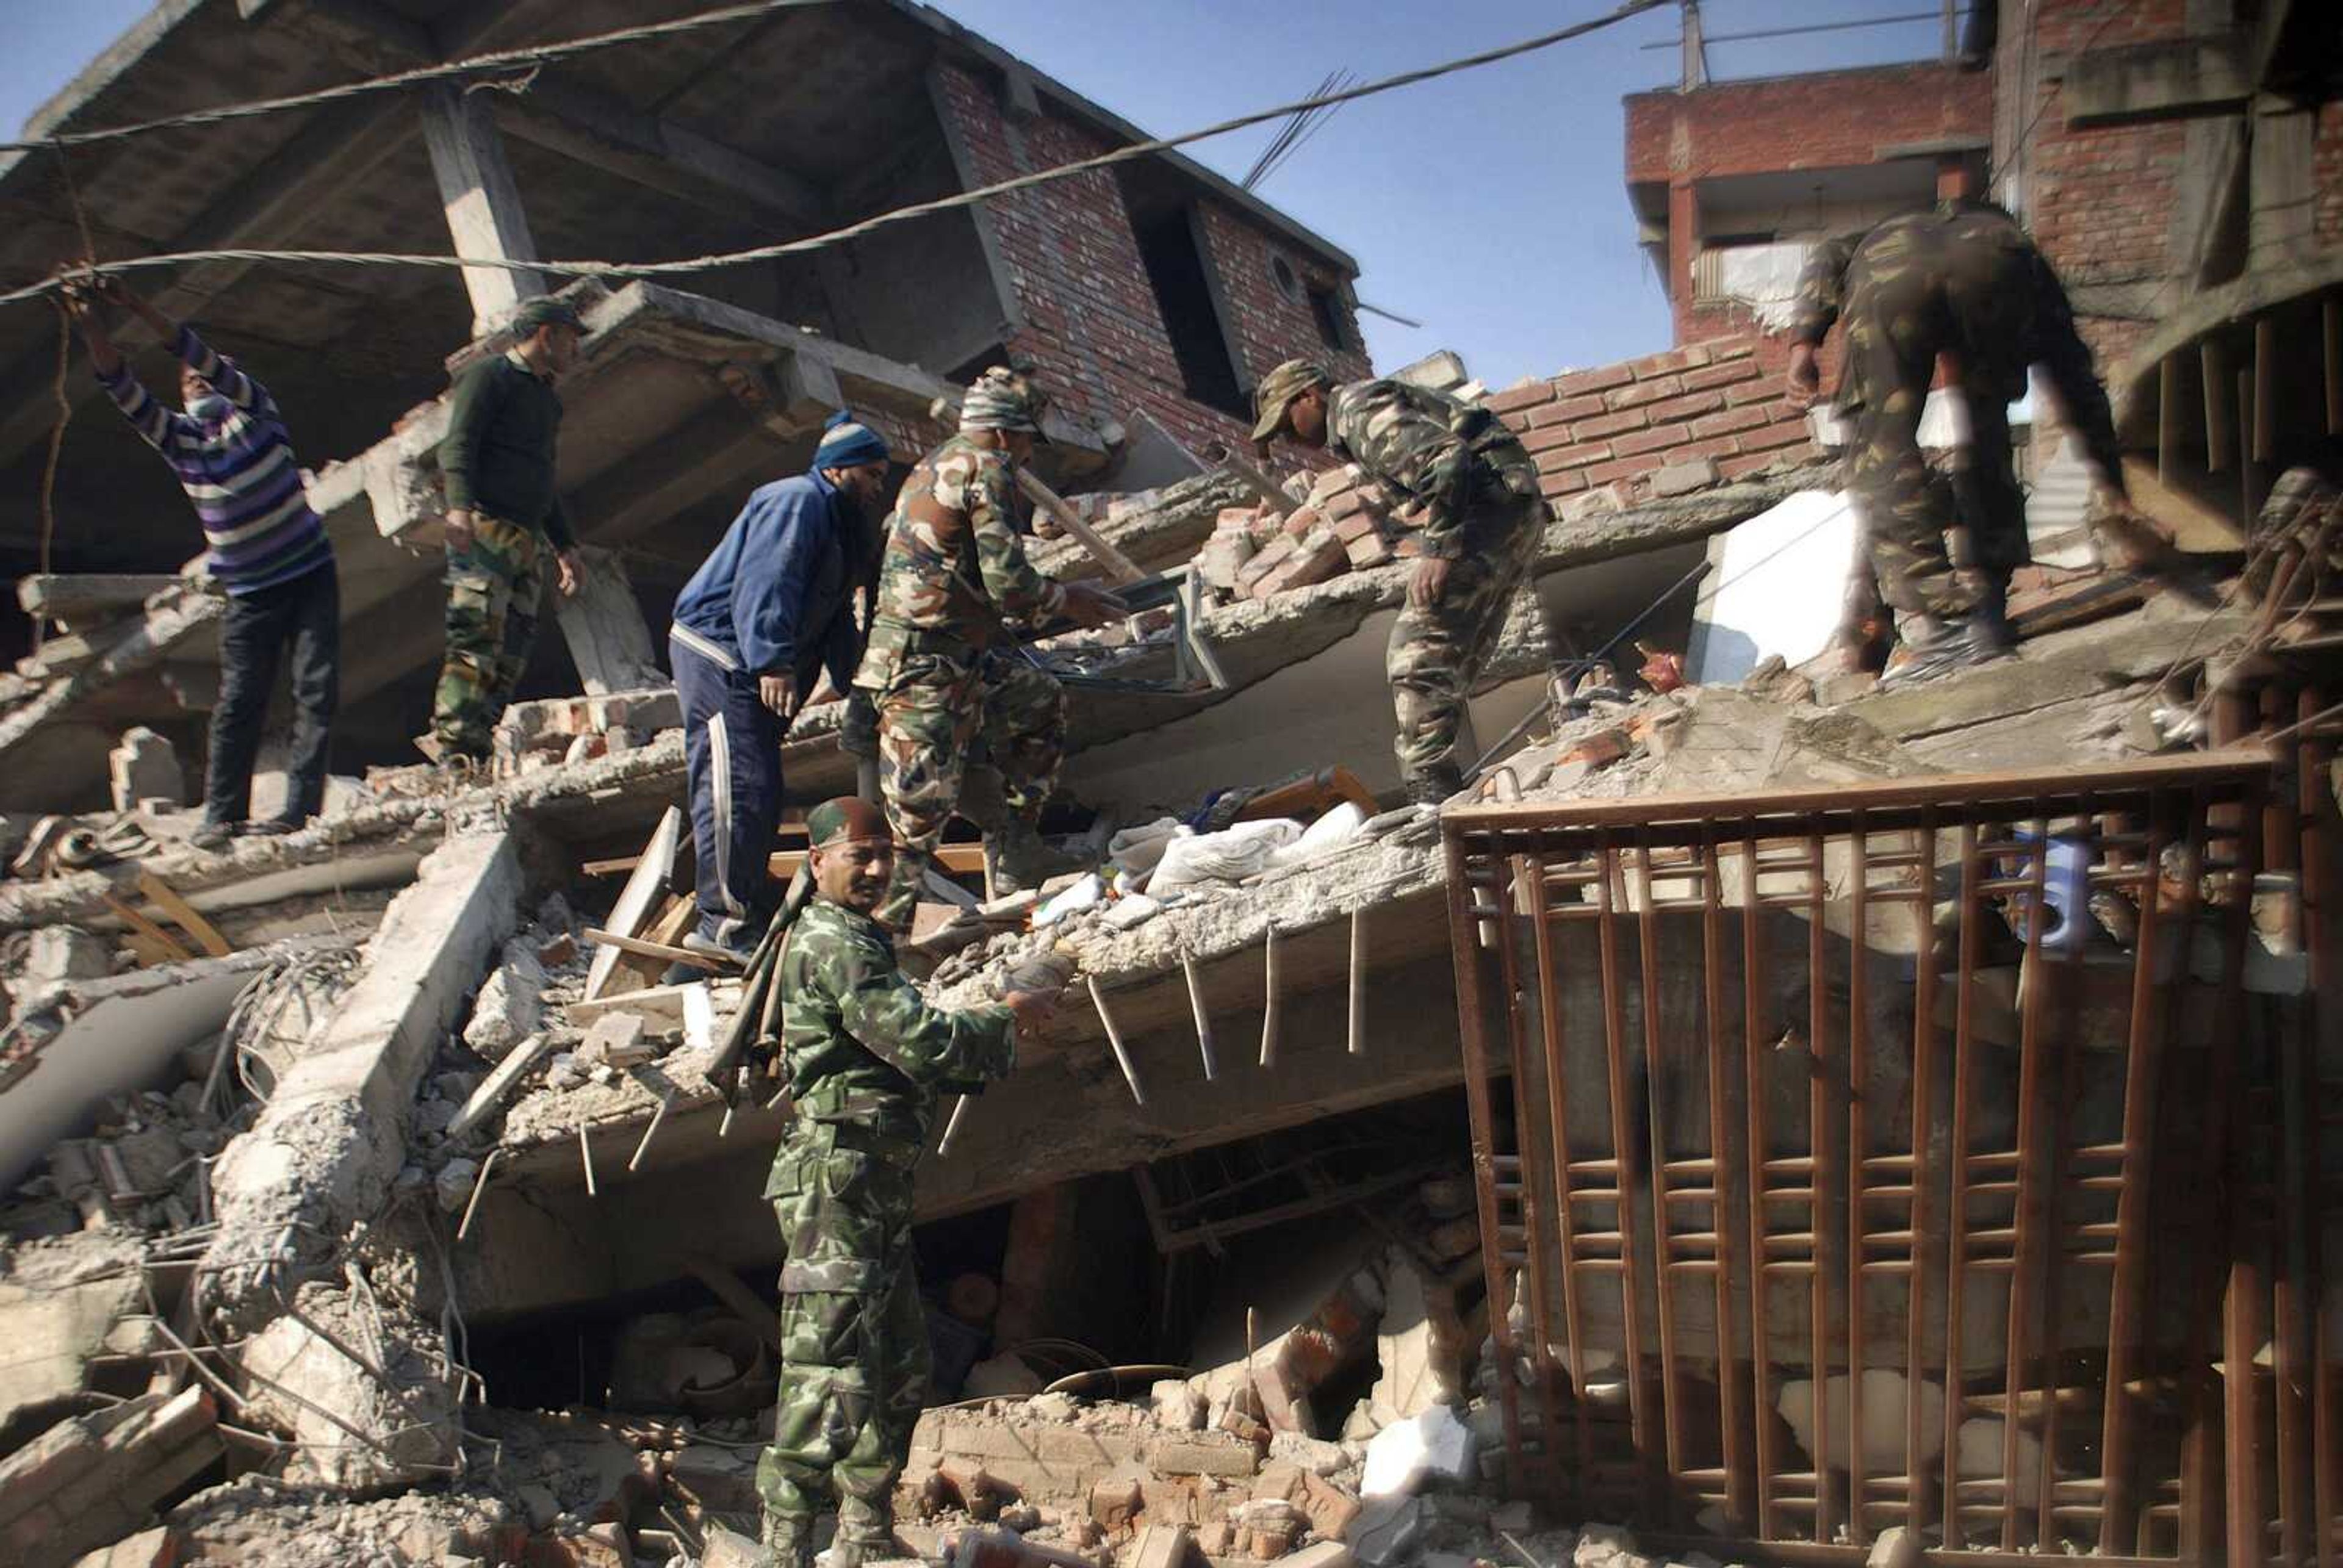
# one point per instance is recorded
(322, 1155)
(60, 1300)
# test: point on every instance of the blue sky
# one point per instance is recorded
(1489, 206)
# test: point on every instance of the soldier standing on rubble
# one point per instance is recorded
(1482, 518)
(939, 667)
(1960, 280)
(232, 455)
(760, 621)
(867, 1059)
(503, 509)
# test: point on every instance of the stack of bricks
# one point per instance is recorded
(1665, 424)
(1680, 411)
(1344, 525)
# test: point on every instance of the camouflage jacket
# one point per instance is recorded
(1441, 455)
(2018, 316)
(955, 563)
(861, 1044)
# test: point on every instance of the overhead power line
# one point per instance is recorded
(1628, 9)
(501, 60)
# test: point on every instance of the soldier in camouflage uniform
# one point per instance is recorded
(1961, 281)
(504, 517)
(1475, 489)
(867, 1059)
(940, 668)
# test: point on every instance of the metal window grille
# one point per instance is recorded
(1989, 1107)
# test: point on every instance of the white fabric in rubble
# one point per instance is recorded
(1137, 849)
(1230, 855)
(1336, 827)
(1403, 1454)
(1085, 893)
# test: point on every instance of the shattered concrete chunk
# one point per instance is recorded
(144, 768)
(390, 1421)
(96, 1478)
(1433, 1445)
(511, 1005)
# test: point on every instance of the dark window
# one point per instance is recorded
(1184, 293)
(1333, 330)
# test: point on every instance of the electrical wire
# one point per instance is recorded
(607, 269)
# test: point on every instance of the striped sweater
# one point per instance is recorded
(240, 472)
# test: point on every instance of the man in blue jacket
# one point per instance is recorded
(755, 627)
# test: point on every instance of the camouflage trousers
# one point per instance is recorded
(1435, 653)
(932, 712)
(1902, 313)
(854, 1339)
(493, 589)
(1908, 510)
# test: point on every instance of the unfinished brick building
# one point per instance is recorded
(1151, 295)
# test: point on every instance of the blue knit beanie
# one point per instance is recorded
(847, 442)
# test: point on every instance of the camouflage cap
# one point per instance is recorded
(846, 819)
(1001, 399)
(1277, 391)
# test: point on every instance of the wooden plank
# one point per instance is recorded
(961, 859)
(1311, 797)
(2215, 361)
(659, 1005)
(166, 898)
(1120, 567)
(612, 940)
(2194, 526)
(646, 886)
(147, 930)
(501, 1081)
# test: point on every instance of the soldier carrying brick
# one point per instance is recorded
(1475, 491)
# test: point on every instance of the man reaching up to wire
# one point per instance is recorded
(230, 450)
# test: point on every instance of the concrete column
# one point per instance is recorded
(484, 218)
(609, 639)
(2285, 184)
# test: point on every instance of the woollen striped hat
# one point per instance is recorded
(847, 442)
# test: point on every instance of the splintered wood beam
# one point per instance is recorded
(639, 947)
(166, 898)
(1203, 1020)
(145, 933)
(1114, 1042)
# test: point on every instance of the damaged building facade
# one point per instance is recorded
(1769, 1111)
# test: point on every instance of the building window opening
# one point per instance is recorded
(1288, 283)
(1334, 327)
(1176, 271)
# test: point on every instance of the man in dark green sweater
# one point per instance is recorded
(503, 511)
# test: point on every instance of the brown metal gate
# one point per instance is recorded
(1780, 1094)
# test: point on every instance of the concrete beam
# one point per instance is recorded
(612, 136)
(322, 1156)
(2158, 81)
(485, 217)
(609, 639)
(2282, 229)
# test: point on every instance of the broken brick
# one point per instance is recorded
(1604, 746)
(1115, 1502)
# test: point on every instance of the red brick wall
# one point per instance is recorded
(2099, 201)
(1829, 119)
(1092, 329)
(1270, 327)
(2327, 159)
(1618, 423)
